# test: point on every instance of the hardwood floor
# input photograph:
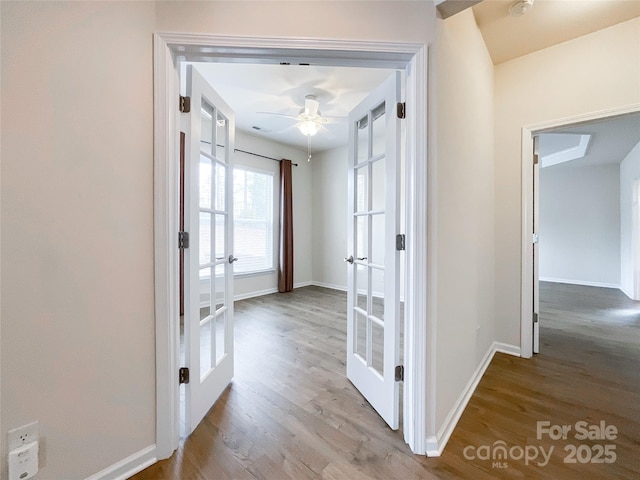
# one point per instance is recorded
(290, 413)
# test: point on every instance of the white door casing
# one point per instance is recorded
(373, 278)
(209, 259)
(527, 205)
(170, 49)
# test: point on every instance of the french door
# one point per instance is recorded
(536, 247)
(209, 263)
(373, 315)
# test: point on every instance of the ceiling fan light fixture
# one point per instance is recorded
(308, 128)
(311, 106)
(520, 8)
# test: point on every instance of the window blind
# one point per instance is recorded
(253, 220)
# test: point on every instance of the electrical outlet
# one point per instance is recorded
(23, 462)
(23, 435)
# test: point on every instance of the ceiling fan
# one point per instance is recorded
(309, 119)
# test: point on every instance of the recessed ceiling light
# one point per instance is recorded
(521, 7)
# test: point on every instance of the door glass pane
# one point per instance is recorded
(361, 287)
(362, 140)
(377, 239)
(220, 182)
(378, 130)
(361, 236)
(220, 323)
(377, 293)
(205, 348)
(205, 292)
(220, 285)
(377, 347)
(206, 128)
(205, 182)
(205, 238)
(221, 137)
(221, 236)
(361, 335)
(362, 189)
(378, 185)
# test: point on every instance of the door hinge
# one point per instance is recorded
(402, 110)
(183, 240)
(400, 242)
(535, 159)
(535, 317)
(185, 104)
(400, 373)
(183, 375)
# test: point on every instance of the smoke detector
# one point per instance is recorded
(521, 7)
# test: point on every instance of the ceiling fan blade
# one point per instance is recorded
(326, 133)
(333, 119)
(279, 115)
(286, 129)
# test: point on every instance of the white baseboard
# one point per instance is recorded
(329, 285)
(268, 291)
(629, 294)
(435, 445)
(343, 288)
(580, 282)
(259, 293)
(432, 449)
(506, 348)
(129, 466)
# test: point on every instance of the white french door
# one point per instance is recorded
(536, 247)
(373, 278)
(209, 258)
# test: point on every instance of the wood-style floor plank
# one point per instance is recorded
(290, 413)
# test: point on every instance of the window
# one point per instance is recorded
(253, 220)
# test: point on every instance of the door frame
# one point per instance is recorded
(419, 342)
(527, 280)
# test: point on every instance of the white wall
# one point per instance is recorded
(580, 225)
(592, 73)
(250, 285)
(78, 338)
(630, 236)
(463, 217)
(329, 247)
(77, 211)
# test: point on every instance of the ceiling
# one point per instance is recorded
(611, 141)
(281, 89)
(548, 23)
(249, 89)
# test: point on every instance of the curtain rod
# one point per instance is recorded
(251, 153)
(261, 156)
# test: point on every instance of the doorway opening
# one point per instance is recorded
(578, 228)
(268, 101)
(170, 50)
